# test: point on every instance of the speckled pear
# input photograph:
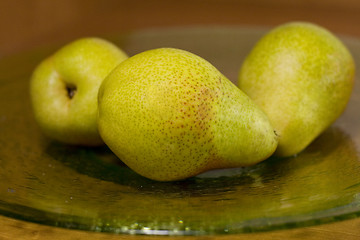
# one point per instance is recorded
(169, 115)
(301, 75)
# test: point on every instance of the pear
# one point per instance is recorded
(169, 115)
(64, 89)
(301, 76)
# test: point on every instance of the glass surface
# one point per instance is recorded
(50, 183)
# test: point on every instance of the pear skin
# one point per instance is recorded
(301, 76)
(64, 89)
(169, 115)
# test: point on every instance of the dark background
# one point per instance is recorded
(26, 24)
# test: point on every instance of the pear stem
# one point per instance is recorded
(71, 90)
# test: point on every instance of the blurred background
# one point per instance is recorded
(27, 24)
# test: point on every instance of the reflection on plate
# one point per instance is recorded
(89, 188)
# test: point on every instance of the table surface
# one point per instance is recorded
(15, 229)
(30, 24)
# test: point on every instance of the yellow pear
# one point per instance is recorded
(169, 114)
(301, 76)
(64, 89)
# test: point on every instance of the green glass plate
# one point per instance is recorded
(50, 183)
